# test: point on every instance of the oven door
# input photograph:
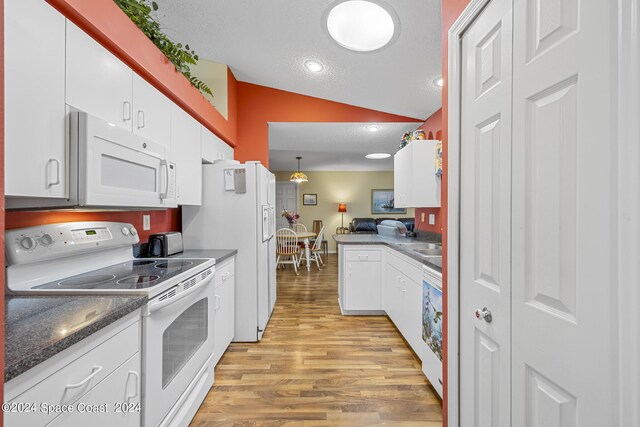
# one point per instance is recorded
(119, 168)
(177, 342)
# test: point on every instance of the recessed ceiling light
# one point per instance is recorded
(373, 128)
(313, 66)
(438, 81)
(360, 25)
(378, 156)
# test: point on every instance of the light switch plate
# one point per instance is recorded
(146, 222)
(432, 219)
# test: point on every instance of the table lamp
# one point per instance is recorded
(342, 208)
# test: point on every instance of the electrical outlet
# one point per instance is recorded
(146, 222)
(432, 219)
(422, 217)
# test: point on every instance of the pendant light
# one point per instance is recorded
(298, 177)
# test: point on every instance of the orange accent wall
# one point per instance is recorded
(432, 126)
(451, 10)
(259, 105)
(2, 199)
(104, 21)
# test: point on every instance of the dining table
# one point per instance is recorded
(304, 236)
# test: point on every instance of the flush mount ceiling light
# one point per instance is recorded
(362, 26)
(298, 177)
(313, 66)
(378, 156)
(373, 128)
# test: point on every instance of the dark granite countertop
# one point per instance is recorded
(434, 262)
(220, 255)
(39, 327)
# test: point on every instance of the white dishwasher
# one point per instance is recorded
(432, 326)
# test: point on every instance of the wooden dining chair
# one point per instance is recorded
(287, 247)
(314, 251)
(299, 228)
(317, 226)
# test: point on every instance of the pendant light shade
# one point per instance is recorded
(298, 177)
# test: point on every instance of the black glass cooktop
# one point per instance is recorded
(135, 274)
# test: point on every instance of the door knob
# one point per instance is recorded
(484, 314)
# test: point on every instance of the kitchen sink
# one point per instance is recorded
(429, 251)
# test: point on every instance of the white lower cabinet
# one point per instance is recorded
(225, 304)
(361, 290)
(103, 369)
(114, 401)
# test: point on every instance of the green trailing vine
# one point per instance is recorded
(140, 12)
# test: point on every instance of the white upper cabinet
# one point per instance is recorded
(186, 154)
(98, 82)
(151, 112)
(35, 137)
(214, 148)
(415, 182)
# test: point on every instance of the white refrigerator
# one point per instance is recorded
(238, 212)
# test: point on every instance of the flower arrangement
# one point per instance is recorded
(291, 217)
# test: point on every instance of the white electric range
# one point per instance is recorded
(96, 258)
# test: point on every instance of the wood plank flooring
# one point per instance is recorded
(315, 367)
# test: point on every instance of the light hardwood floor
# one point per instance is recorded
(315, 367)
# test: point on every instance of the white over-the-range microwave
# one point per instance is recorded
(110, 168)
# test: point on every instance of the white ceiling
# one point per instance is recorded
(333, 146)
(267, 42)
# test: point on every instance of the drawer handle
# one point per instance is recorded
(57, 180)
(140, 119)
(217, 299)
(95, 371)
(363, 256)
(135, 394)
(126, 111)
(225, 276)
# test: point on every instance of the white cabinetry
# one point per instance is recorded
(224, 328)
(414, 173)
(97, 82)
(361, 291)
(151, 112)
(101, 369)
(403, 298)
(35, 137)
(185, 152)
(214, 148)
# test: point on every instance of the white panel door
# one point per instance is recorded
(485, 218)
(151, 112)
(35, 137)
(185, 152)
(286, 198)
(97, 82)
(563, 364)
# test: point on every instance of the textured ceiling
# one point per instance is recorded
(267, 42)
(333, 146)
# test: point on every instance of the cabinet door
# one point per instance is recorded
(214, 148)
(151, 112)
(35, 137)
(401, 179)
(412, 315)
(362, 285)
(185, 152)
(392, 293)
(113, 402)
(225, 317)
(97, 82)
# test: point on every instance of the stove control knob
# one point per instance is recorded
(47, 240)
(133, 231)
(27, 243)
(125, 231)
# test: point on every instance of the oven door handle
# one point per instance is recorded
(156, 305)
